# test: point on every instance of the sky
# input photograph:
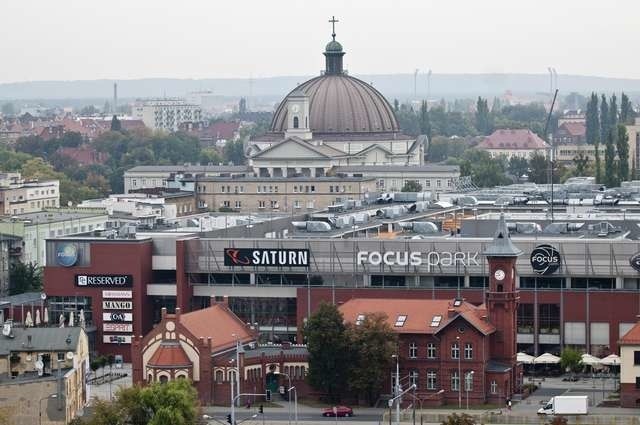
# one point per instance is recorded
(128, 39)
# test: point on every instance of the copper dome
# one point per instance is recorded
(339, 103)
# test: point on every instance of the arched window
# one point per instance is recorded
(500, 288)
(219, 376)
(306, 122)
(164, 379)
(296, 122)
(150, 377)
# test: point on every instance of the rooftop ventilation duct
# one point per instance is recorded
(317, 226)
(467, 201)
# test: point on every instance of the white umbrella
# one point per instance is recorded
(589, 360)
(611, 360)
(82, 319)
(525, 358)
(61, 320)
(547, 358)
(71, 319)
(38, 321)
(28, 321)
(45, 315)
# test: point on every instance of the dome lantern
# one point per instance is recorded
(333, 53)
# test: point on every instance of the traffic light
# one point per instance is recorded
(261, 409)
(229, 419)
(267, 395)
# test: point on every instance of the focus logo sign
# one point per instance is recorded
(66, 254)
(545, 259)
(635, 261)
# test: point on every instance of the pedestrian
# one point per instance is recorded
(509, 404)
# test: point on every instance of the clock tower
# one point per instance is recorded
(502, 296)
(298, 116)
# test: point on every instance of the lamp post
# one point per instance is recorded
(40, 406)
(295, 395)
(238, 347)
(459, 373)
(397, 386)
(467, 380)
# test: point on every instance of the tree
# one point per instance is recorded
(396, 105)
(425, 123)
(627, 114)
(116, 125)
(89, 110)
(622, 146)
(604, 119)
(329, 354)
(581, 162)
(483, 124)
(610, 174)
(412, 186)
(25, 278)
(538, 168)
(233, 152)
(593, 132)
(374, 342)
(570, 359)
(518, 166)
(484, 170)
(462, 419)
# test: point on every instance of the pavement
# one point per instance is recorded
(103, 391)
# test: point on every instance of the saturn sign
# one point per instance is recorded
(545, 259)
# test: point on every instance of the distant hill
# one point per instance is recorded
(393, 86)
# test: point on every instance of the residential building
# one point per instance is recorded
(43, 374)
(572, 116)
(570, 133)
(630, 367)
(166, 114)
(433, 178)
(215, 134)
(20, 196)
(168, 176)
(519, 143)
(633, 131)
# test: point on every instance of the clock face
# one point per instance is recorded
(294, 109)
(499, 274)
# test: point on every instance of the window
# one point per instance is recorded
(494, 387)
(400, 321)
(455, 350)
(413, 350)
(359, 319)
(296, 122)
(295, 189)
(296, 204)
(468, 381)
(313, 189)
(468, 351)
(455, 381)
(274, 204)
(238, 204)
(636, 358)
(331, 189)
(427, 183)
(260, 204)
(438, 183)
(431, 351)
(223, 189)
(435, 322)
(414, 378)
(432, 379)
(61, 356)
(457, 302)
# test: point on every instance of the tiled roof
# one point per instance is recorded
(513, 139)
(170, 354)
(219, 323)
(420, 314)
(42, 339)
(632, 337)
(575, 128)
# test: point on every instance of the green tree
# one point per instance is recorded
(329, 352)
(25, 278)
(425, 123)
(233, 152)
(484, 170)
(116, 125)
(518, 166)
(570, 359)
(604, 119)
(581, 161)
(483, 123)
(89, 110)
(459, 419)
(538, 168)
(610, 174)
(373, 342)
(412, 186)
(622, 146)
(627, 114)
(396, 105)
(593, 132)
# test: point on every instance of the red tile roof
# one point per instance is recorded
(84, 154)
(632, 337)
(513, 139)
(575, 129)
(219, 323)
(419, 313)
(170, 354)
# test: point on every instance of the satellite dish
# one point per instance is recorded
(43, 296)
(6, 330)
(69, 355)
(29, 357)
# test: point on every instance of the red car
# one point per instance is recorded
(339, 411)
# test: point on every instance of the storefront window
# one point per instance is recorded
(68, 305)
(549, 318)
(525, 319)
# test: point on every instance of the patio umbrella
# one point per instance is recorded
(28, 321)
(589, 360)
(547, 358)
(38, 321)
(61, 320)
(45, 316)
(525, 358)
(611, 360)
(82, 319)
(71, 324)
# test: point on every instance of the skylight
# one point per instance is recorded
(400, 320)
(457, 302)
(359, 319)
(435, 322)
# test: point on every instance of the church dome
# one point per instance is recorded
(339, 103)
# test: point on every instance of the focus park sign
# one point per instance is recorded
(418, 259)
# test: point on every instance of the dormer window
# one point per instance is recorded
(400, 321)
(359, 319)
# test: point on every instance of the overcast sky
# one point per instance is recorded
(124, 39)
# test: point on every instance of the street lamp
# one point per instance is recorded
(459, 373)
(238, 348)
(40, 405)
(397, 392)
(467, 379)
(295, 395)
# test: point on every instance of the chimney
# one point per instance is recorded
(163, 312)
(177, 314)
(451, 312)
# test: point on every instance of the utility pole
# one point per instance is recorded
(415, 83)
(428, 86)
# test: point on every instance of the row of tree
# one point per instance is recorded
(349, 359)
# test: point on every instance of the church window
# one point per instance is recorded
(164, 379)
(413, 350)
(500, 288)
(296, 123)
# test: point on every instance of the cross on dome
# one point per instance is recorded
(333, 21)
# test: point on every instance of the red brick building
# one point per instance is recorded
(630, 368)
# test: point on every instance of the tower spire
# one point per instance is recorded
(333, 21)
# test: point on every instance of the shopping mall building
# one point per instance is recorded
(578, 277)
